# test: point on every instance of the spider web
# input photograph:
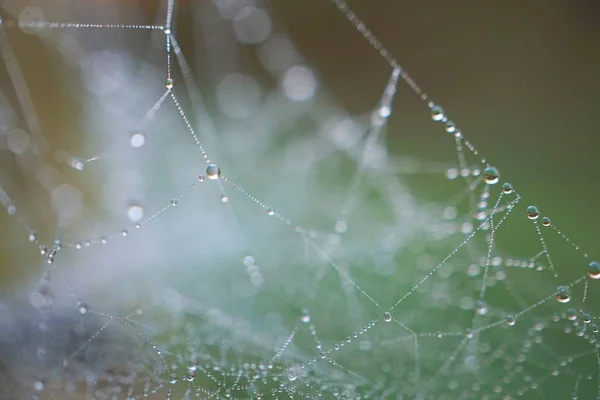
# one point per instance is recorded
(250, 238)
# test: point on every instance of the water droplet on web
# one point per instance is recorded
(546, 221)
(437, 112)
(173, 378)
(224, 199)
(594, 328)
(510, 320)
(213, 172)
(103, 240)
(83, 309)
(305, 316)
(292, 373)
(387, 317)
(201, 178)
(491, 175)
(586, 318)
(532, 212)
(594, 270)
(76, 163)
(341, 227)
(190, 376)
(249, 260)
(124, 232)
(39, 386)
(481, 308)
(167, 31)
(562, 294)
(137, 139)
(32, 236)
(135, 212)
(384, 111)
(450, 127)
(270, 211)
(507, 188)
(174, 202)
(571, 314)
(169, 83)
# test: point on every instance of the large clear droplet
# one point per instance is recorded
(491, 175)
(437, 113)
(135, 212)
(594, 270)
(292, 373)
(213, 172)
(507, 188)
(387, 317)
(562, 294)
(511, 320)
(305, 316)
(546, 221)
(76, 163)
(532, 212)
(481, 308)
(137, 139)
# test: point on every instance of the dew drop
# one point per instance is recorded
(213, 172)
(594, 270)
(510, 320)
(305, 316)
(103, 240)
(201, 178)
(173, 378)
(32, 236)
(507, 188)
(76, 163)
(491, 175)
(78, 245)
(137, 139)
(224, 199)
(169, 83)
(481, 308)
(586, 318)
(174, 202)
(124, 232)
(387, 317)
(594, 328)
(450, 127)
(190, 376)
(562, 294)
(83, 309)
(546, 221)
(135, 212)
(270, 211)
(437, 113)
(167, 31)
(39, 386)
(292, 374)
(532, 212)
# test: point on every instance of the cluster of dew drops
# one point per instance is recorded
(213, 172)
(491, 176)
